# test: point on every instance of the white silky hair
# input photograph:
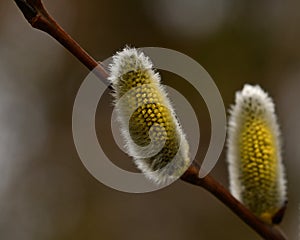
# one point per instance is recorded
(131, 59)
(254, 98)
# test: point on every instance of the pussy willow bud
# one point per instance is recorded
(256, 171)
(147, 119)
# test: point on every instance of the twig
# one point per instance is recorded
(210, 184)
(38, 17)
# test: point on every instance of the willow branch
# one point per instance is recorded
(213, 186)
(38, 17)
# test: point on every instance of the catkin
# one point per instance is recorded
(147, 118)
(256, 171)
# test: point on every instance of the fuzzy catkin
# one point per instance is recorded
(256, 171)
(146, 117)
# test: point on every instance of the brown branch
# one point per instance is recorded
(38, 17)
(210, 184)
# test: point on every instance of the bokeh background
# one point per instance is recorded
(45, 191)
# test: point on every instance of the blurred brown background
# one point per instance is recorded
(45, 191)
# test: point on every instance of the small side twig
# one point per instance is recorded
(38, 17)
